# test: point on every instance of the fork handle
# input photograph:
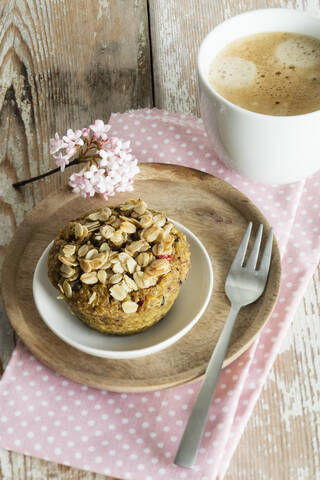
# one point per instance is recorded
(188, 448)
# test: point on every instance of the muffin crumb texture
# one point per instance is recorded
(120, 269)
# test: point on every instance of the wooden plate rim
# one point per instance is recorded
(16, 248)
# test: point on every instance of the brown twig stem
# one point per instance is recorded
(43, 175)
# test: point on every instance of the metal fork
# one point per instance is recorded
(244, 285)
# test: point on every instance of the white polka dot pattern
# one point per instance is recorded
(135, 436)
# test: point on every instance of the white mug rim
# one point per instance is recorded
(212, 90)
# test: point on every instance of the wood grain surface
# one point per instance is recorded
(61, 70)
(213, 210)
(48, 51)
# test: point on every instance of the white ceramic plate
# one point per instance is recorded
(186, 311)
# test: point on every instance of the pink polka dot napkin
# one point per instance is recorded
(135, 436)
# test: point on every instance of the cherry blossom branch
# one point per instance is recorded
(109, 165)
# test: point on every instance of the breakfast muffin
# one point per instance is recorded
(120, 269)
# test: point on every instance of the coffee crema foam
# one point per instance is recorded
(274, 73)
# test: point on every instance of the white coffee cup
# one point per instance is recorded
(265, 148)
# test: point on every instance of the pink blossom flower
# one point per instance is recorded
(80, 184)
(85, 132)
(56, 144)
(89, 182)
(117, 145)
(94, 174)
(71, 150)
(73, 138)
(104, 158)
(61, 160)
(100, 129)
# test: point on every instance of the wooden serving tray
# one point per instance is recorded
(212, 209)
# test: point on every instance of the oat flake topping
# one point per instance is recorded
(123, 248)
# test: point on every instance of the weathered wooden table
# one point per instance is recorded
(64, 63)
